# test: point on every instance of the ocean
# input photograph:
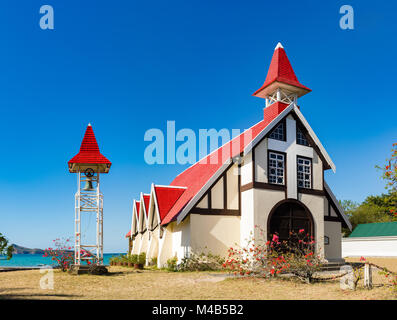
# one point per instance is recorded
(32, 260)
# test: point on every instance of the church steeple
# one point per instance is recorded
(281, 84)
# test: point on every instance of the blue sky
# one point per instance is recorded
(128, 66)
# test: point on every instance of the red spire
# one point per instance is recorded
(280, 74)
(89, 153)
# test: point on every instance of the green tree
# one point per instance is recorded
(373, 209)
(5, 249)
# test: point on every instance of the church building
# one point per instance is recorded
(271, 177)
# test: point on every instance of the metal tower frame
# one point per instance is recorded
(88, 202)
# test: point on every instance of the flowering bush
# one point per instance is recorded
(390, 169)
(273, 257)
(62, 253)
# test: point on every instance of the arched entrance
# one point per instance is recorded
(289, 215)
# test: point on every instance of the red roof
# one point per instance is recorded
(196, 176)
(89, 151)
(146, 200)
(128, 234)
(138, 204)
(280, 70)
(166, 198)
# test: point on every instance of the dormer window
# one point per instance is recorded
(279, 132)
(300, 137)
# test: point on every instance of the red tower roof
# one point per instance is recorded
(280, 74)
(89, 155)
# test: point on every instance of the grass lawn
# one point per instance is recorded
(126, 283)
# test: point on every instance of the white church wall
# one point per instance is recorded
(203, 203)
(165, 246)
(333, 250)
(144, 242)
(214, 233)
(232, 187)
(247, 221)
(264, 201)
(317, 206)
(217, 195)
(152, 250)
(261, 161)
(181, 239)
(333, 213)
(246, 169)
(137, 243)
(317, 171)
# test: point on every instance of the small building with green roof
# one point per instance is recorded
(371, 240)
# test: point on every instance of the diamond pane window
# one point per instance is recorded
(278, 132)
(301, 138)
(276, 168)
(304, 173)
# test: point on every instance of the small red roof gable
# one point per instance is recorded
(166, 198)
(128, 234)
(281, 71)
(89, 152)
(146, 199)
(138, 204)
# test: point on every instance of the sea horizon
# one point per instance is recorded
(34, 260)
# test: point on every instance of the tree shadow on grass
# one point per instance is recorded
(31, 296)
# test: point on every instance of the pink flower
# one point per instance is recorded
(301, 230)
(275, 238)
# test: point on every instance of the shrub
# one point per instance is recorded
(201, 262)
(172, 264)
(142, 258)
(133, 258)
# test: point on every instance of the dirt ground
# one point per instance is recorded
(126, 283)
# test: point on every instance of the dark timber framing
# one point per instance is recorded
(224, 211)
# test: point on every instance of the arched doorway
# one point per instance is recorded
(289, 215)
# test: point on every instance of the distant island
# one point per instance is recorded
(23, 250)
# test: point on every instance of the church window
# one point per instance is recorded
(276, 168)
(304, 173)
(300, 137)
(279, 132)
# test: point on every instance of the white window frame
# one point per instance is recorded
(280, 157)
(306, 170)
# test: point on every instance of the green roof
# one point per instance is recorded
(380, 229)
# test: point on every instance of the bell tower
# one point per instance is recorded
(89, 163)
(281, 84)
